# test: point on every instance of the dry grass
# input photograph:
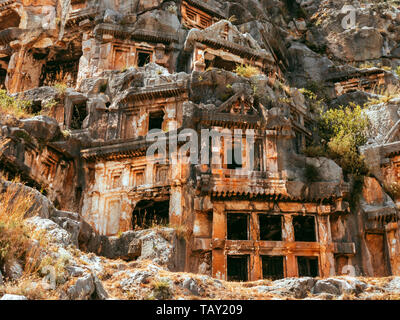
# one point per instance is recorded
(14, 235)
(246, 71)
(30, 286)
(384, 95)
(17, 240)
(12, 106)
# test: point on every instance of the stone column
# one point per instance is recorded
(393, 245)
(288, 237)
(255, 270)
(218, 242)
(326, 258)
(272, 155)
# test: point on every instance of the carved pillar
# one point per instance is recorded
(198, 63)
(218, 242)
(327, 261)
(272, 155)
(288, 237)
(255, 270)
(393, 245)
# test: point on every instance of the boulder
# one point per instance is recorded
(191, 285)
(299, 287)
(58, 235)
(393, 285)
(328, 170)
(326, 286)
(83, 288)
(101, 293)
(42, 127)
(156, 247)
(41, 206)
(135, 248)
(13, 270)
(339, 286)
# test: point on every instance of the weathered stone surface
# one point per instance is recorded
(192, 286)
(58, 234)
(42, 127)
(41, 204)
(393, 285)
(298, 287)
(108, 72)
(13, 270)
(83, 288)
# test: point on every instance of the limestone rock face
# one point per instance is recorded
(185, 136)
(42, 127)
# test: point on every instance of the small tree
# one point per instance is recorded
(342, 132)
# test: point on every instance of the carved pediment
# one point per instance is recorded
(239, 104)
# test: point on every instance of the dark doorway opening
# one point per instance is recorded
(308, 266)
(79, 113)
(156, 120)
(270, 227)
(143, 58)
(238, 268)
(237, 225)
(149, 213)
(272, 267)
(304, 228)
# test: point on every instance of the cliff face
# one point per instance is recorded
(239, 87)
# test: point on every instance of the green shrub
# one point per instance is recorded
(342, 132)
(61, 87)
(17, 107)
(314, 151)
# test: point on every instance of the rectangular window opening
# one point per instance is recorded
(156, 120)
(237, 226)
(270, 227)
(308, 266)
(79, 114)
(304, 228)
(143, 58)
(238, 268)
(272, 267)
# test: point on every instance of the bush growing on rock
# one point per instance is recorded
(161, 289)
(14, 235)
(16, 107)
(342, 132)
(246, 71)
